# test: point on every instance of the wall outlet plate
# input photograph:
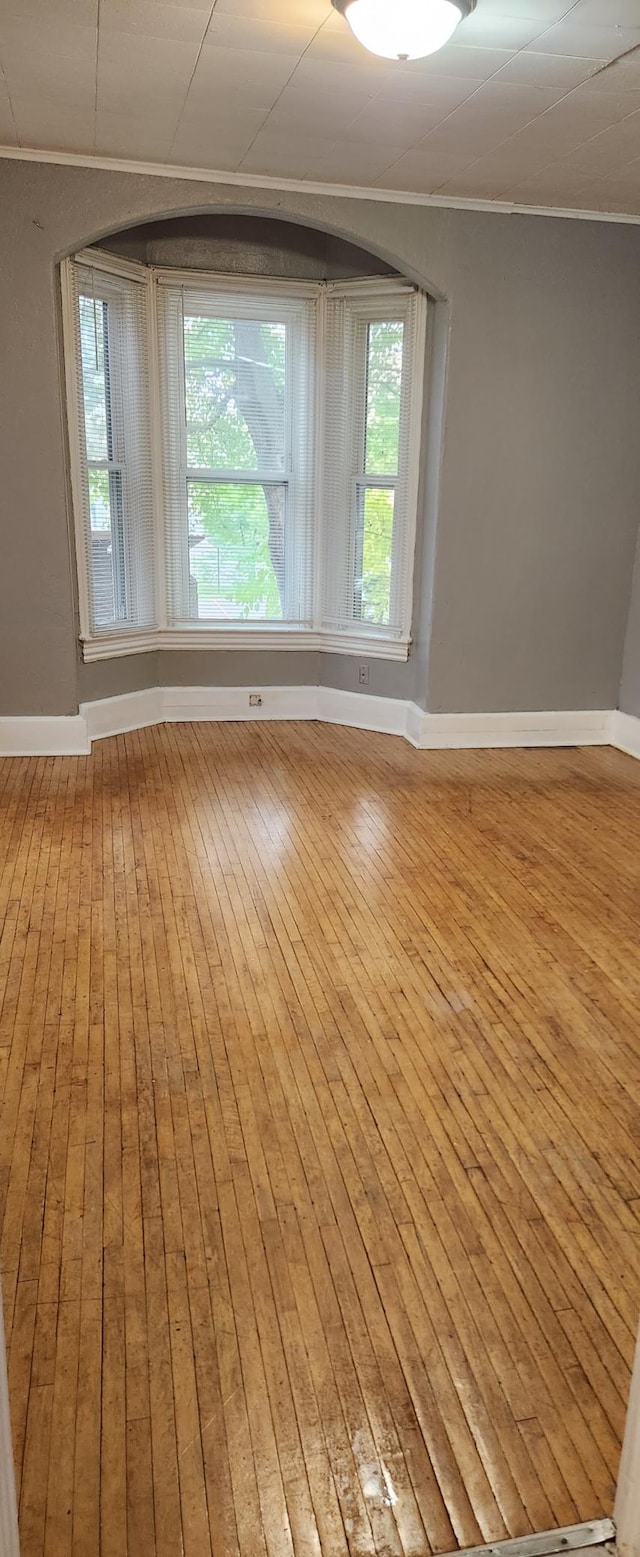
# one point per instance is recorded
(363, 675)
(255, 700)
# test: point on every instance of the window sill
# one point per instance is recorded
(198, 636)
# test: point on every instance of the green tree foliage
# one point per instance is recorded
(233, 565)
(384, 387)
(382, 433)
(373, 588)
(235, 408)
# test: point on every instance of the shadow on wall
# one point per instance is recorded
(245, 245)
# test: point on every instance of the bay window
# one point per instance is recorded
(244, 458)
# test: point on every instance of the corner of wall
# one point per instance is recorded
(437, 357)
(629, 694)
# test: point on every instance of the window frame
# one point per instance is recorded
(355, 638)
(115, 468)
(139, 403)
(295, 477)
(359, 305)
(364, 480)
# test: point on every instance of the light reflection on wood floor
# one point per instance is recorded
(319, 1160)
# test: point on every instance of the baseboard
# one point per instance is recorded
(172, 705)
(72, 736)
(626, 733)
(116, 715)
(230, 704)
(65, 735)
(477, 731)
(363, 711)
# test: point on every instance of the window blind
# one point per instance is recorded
(371, 424)
(245, 458)
(116, 533)
(238, 389)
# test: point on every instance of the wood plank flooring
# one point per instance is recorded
(320, 1148)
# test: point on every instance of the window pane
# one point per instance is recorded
(384, 386)
(106, 542)
(235, 394)
(236, 549)
(373, 567)
(95, 377)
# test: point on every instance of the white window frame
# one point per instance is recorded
(137, 583)
(296, 477)
(353, 639)
(365, 303)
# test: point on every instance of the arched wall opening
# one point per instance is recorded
(247, 243)
(301, 236)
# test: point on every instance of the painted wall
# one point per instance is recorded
(629, 700)
(228, 668)
(521, 588)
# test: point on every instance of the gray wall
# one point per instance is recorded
(629, 700)
(522, 584)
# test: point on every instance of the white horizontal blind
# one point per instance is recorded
(371, 433)
(237, 375)
(116, 531)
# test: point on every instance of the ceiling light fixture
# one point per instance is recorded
(403, 29)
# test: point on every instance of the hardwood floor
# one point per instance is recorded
(320, 1156)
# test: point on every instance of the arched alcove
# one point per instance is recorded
(308, 242)
(254, 244)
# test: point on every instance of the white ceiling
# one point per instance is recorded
(535, 102)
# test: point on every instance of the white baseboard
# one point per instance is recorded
(172, 705)
(230, 704)
(626, 733)
(476, 731)
(72, 736)
(116, 715)
(44, 736)
(363, 711)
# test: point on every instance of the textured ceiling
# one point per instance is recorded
(535, 102)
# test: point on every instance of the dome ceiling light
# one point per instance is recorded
(404, 29)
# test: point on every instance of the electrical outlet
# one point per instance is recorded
(255, 700)
(363, 675)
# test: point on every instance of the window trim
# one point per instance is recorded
(79, 463)
(74, 435)
(298, 310)
(372, 643)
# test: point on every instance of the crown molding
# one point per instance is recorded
(72, 159)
